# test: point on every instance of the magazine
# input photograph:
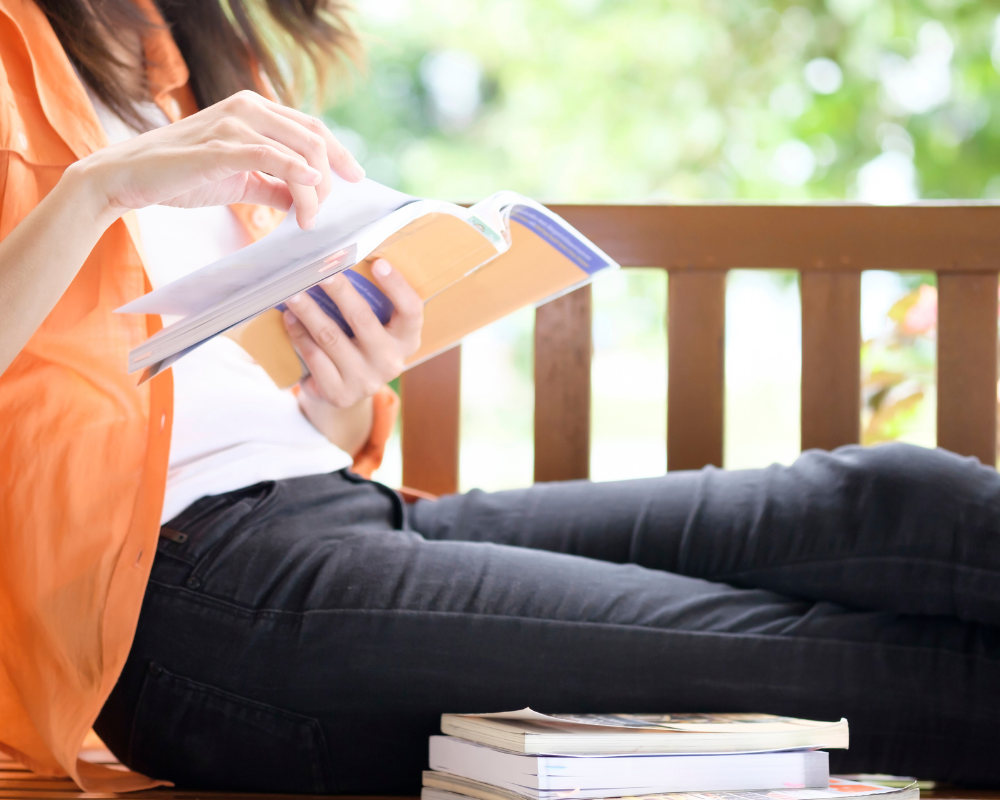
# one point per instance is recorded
(442, 786)
(549, 777)
(528, 731)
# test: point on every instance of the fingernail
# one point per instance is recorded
(290, 318)
(294, 300)
(333, 279)
(381, 268)
(307, 224)
(357, 172)
(314, 175)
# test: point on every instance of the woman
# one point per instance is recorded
(300, 629)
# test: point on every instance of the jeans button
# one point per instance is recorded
(193, 583)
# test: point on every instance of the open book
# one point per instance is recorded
(471, 266)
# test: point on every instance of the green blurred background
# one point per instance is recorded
(646, 100)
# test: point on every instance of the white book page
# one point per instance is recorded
(246, 295)
(349, 208)
(359, 243)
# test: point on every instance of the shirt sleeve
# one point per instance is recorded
(385, 411)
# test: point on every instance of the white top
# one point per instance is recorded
(233, 427)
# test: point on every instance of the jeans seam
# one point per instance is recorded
(728, 576)
(252, 613)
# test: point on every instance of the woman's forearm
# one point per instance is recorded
(40, 257)
(215, 157)
(348, 428)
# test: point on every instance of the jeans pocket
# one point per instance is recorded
(190, 541)
(201, 737)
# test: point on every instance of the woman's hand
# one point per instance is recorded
(244, 149)
(345, 371)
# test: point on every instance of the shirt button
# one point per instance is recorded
(259, 218)
(22, 140)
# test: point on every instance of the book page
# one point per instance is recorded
(691, 723)
(348, 210)
(697, 723)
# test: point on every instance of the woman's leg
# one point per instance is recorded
(298, 641)
(896, 527)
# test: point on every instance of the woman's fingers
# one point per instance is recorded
(306, 204)
(408, 317)
(264, 190)
(374, 356)
(258, 153)
(320, 341)
(329, 382)
(247, 104)
(325, 332)
(371, 335)
(300, 177)
(230, 149)
(382, 353)
(225, 159)
(345, 370)
(308, 143)
(340, 158)
(255, 130)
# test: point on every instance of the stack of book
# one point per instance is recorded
(525, 755)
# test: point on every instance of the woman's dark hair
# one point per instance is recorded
(227, 44)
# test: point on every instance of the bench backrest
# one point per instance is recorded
(830, 245)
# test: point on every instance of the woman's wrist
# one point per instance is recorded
(348, 428)
(83, 185)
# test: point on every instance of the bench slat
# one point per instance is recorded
(431, 393)
(696, 323)
(943, 237)
(831, 359)
(967, 365)
(73, 793)
(563, 351)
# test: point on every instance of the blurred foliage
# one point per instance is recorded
(678, 99)
(632, 100)
(899, 365)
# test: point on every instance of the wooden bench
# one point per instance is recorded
(831, 245)
(17, 783)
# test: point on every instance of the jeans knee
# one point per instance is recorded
(906, 473)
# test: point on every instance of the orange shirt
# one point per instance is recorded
(83, 450)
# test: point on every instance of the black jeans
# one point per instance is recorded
(307, 634)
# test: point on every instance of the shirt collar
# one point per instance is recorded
(61, 93)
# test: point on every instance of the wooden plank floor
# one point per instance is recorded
(17, 783)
